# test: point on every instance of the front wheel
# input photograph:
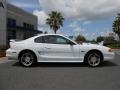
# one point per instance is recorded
(27, 59)
(94, 59)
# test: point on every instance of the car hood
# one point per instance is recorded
(90, 46)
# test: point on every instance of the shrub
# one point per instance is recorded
(115, 45)
(80, 38)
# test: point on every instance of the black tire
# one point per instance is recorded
(27, 59)
(94, 59)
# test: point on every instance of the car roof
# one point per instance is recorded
(51, 34)
(47, 35)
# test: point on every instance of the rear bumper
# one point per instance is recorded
(12, 54)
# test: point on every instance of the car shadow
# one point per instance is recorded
(53, 64)
(105, 64)
(61, 65)
(108, 64)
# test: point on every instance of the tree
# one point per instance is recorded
(80, 38)
(55, 20)
(100, 38)
(109, 39)
(105, 39)
(116, 25)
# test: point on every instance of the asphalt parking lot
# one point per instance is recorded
(53, 76)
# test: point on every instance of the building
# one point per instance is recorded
(3, 29)
(16, 23)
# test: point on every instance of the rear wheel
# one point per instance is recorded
(27, 59)
(94, 59)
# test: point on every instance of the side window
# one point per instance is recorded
(49, 39)
(52, 39)
(39, 40)
(61, 40)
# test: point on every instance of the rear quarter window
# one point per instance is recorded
(38, 40)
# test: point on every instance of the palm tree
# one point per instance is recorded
(116, 25)
(55, 20)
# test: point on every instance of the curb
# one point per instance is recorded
(115, 48)
(4, 60)
(116, 51)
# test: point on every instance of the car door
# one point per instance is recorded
(58, 48)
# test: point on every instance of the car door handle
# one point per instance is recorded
(47, 48)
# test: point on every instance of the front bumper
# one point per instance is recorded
(12, 54)
(109, 56)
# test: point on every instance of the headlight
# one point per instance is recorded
(110, 50)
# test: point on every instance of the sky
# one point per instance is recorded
(90, 18)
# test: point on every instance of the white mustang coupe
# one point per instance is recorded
(57, 48)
